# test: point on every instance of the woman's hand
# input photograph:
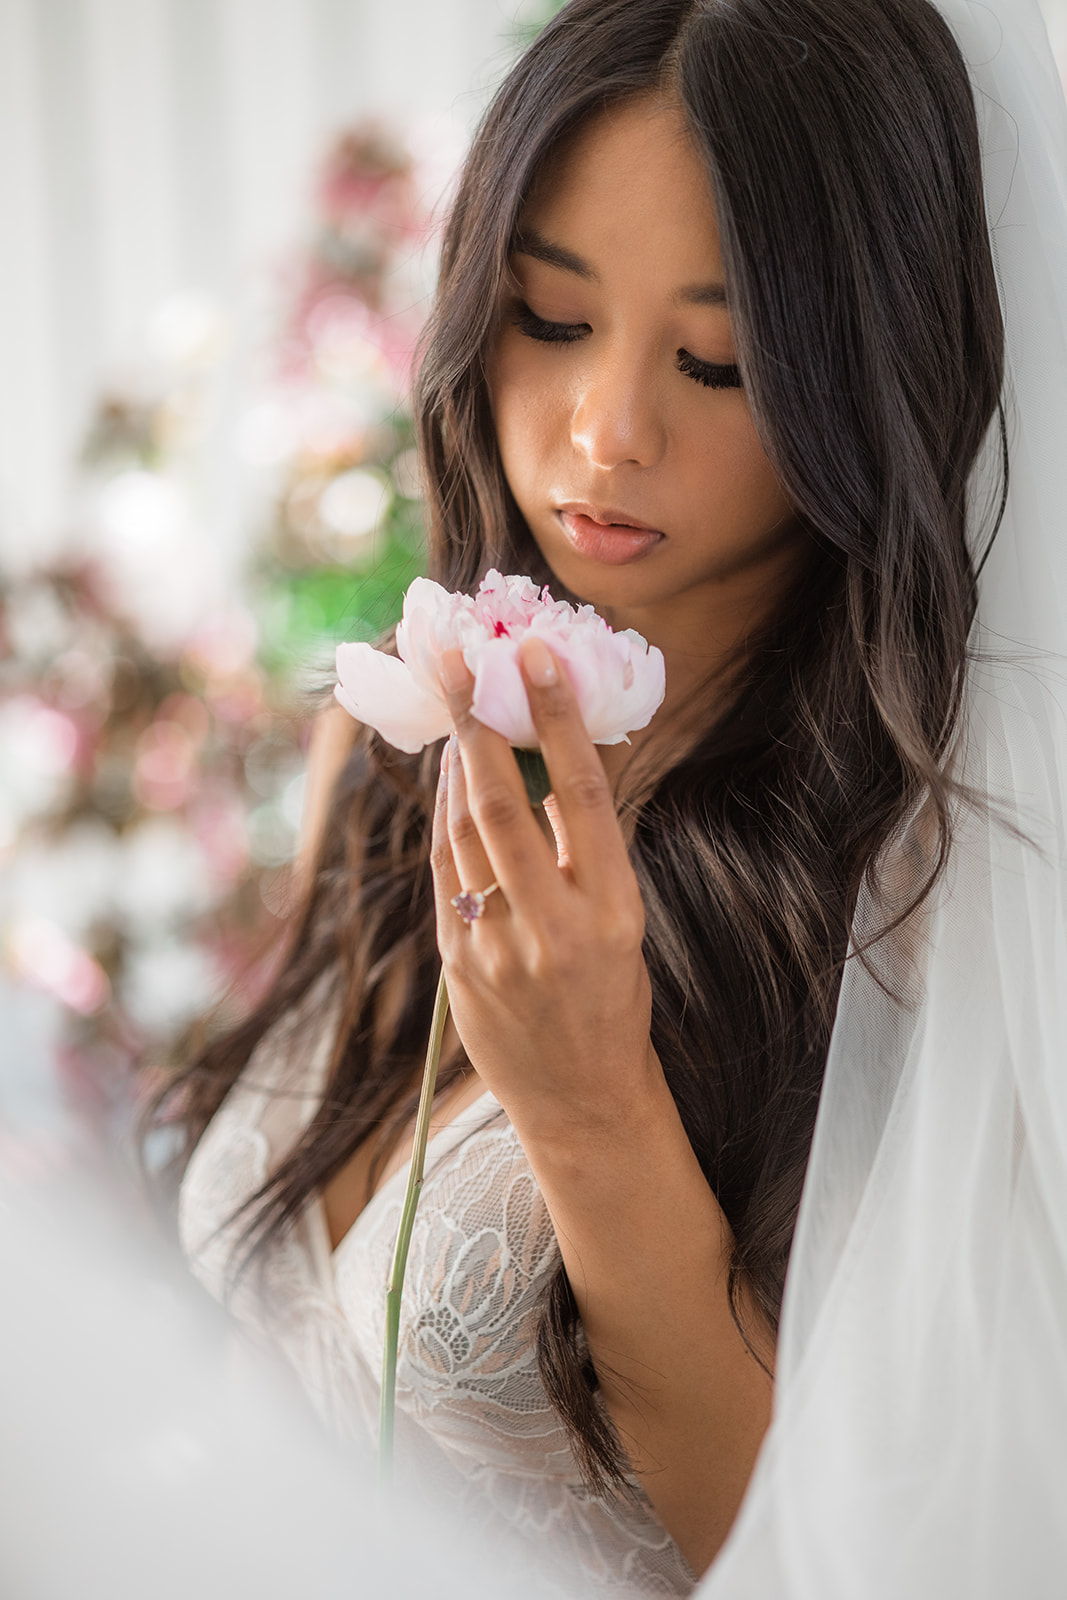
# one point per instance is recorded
(552, 1000)
(548, 988)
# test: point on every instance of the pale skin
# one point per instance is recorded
(549, 990)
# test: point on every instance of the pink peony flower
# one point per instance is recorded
(617, 677)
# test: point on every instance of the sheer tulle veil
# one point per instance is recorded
(919, 1443)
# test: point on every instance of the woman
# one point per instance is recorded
(716, 347)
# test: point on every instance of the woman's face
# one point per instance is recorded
(634, 461)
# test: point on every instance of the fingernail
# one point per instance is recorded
(443, 773)
(454, 674)
(539, 662)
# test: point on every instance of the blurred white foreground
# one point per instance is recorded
(135, 1461)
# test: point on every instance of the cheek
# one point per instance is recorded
(530, 407)
(735, 474)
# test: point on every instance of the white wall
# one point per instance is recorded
(150, 146)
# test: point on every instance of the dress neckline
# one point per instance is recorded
(443, 1142)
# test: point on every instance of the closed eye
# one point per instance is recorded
(535, 327)
(710, 374)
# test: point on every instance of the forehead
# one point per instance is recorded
(630, 184)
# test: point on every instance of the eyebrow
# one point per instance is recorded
(531, 243)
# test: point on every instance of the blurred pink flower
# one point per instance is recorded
(617, 677)
(41, 953)
(165, 769)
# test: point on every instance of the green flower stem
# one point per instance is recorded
(403, 1236)
(535, 776)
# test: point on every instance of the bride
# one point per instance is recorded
(718, 347)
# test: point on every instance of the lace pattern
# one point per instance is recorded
(470, 1400)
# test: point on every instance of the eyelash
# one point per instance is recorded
(707, 373)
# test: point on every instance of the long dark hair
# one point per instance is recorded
(841, 142)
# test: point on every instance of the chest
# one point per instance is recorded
(375, 1163)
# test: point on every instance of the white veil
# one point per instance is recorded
(919, 1444)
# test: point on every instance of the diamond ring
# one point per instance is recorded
(471, 903)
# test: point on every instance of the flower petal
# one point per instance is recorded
(379, 690)
(618, 680)
(500, 700)
(429, 624)
(644, 682)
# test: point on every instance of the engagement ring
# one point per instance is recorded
(471, 903)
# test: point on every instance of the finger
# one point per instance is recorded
(563, 855)
(445, 873)
(472, 863)
(584, 811)
(520, 857)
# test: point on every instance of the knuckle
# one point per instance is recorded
(545, 959)
(558, 934)
(457, 963)
(440, 856)
(587, 789)
(498, 807)
(462, 829)
(499, 968)
(625, 928)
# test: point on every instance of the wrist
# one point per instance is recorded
(615, 1119)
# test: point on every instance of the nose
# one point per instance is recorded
(617, 418)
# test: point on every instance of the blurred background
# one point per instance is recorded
(220, 230)
(220, 223)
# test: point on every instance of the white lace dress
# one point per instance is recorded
(470, 1403)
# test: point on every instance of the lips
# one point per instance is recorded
(607, 534)
(607, 516)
